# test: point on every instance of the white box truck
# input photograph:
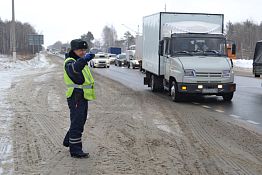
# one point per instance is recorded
(185, 53)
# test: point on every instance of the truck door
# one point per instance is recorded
(166, 57)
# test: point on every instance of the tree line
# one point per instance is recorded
(22, 30)
(109, 39)
(245, 35)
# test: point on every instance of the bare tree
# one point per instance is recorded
(57, 45)
(129, 39)
(97, 44)
(89, 37)
(109, 36)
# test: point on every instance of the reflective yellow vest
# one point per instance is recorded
(87, 86)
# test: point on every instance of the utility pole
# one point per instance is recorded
(165, 7)
(13, 39)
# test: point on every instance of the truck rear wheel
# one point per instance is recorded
(175, 95)
(153, 84)
(228, 96)
(156, 83)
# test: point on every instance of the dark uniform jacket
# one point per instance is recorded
(74, 70)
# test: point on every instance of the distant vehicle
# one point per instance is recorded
(257, 60)
(132, 62)
(114, 50)
(139, 50)
(111, 57)
(95, 50)
(231, 49)
(100, 60)
(120, 60)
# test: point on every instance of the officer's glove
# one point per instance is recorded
(89, 56)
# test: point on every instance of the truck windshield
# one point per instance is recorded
(213, 46)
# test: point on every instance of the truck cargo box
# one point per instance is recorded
(156, 26)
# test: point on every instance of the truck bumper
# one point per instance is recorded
(209, 89)
(101, 64)
(257, 69)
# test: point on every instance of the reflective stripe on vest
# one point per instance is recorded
(80, 86)
(87, 86)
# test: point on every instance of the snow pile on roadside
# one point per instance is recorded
(37, 62)
(10, 69)
(243, 63)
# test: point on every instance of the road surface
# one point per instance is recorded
(245, 106)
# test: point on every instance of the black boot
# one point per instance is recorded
(80, 155)
(66, 144)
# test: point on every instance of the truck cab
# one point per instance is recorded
(197, 64)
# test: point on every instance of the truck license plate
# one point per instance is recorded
(209, 91)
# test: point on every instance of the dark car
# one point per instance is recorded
(121, 60)
(257, 61)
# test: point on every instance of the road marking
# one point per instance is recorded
(220, 111)
(195, 103)
(235, 116)
(208, 107)
(252, 122)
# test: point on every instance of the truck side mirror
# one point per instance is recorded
(233, 50)
(161, 48)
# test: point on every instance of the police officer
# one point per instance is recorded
(80, 90)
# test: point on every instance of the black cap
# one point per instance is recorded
(78, 44)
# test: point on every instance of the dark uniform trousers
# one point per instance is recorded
(78, 106)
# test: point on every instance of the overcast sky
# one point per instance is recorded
(64, 20)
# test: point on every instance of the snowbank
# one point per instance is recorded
(243, 63)
(10, 69)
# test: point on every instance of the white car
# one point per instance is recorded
(133, 64)
(100, 60)
(111, 57)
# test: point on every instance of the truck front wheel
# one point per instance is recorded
(175, 95)
(228, 96)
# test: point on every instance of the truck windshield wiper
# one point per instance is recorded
(183, 52)
(212, 51)
(195, 51)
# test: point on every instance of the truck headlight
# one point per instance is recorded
(226, 73)
(190, 73)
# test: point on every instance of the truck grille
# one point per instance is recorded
(204, 82)
(209, 74)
